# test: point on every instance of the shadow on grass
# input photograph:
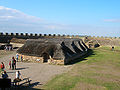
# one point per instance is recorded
(88, 54)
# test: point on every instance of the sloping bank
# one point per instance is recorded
(100, 71)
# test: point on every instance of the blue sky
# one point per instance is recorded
(82, 17)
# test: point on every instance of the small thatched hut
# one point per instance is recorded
(57, 51)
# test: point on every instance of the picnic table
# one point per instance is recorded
(17, 82)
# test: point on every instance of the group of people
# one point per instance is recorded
(12, 64)
(17, 57)
(4, 75)
(8, 48)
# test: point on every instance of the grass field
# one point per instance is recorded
(100, 71)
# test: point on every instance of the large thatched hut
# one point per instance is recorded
(56, 51)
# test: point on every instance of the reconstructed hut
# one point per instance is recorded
(54, 51)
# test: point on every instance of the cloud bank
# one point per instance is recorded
(112, 20)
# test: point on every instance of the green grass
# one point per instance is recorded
(100, 71)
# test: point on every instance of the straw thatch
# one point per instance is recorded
(16, 40)
(58, 49)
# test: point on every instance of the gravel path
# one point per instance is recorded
(37, 72)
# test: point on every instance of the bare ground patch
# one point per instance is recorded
(86, 86)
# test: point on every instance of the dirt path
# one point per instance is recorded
(38, 73)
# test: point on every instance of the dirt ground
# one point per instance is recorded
(38, 73)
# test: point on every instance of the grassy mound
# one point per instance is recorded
(100, 71)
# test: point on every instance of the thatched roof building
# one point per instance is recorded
(55, 49)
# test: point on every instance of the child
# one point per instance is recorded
(10, 65)
(21, 58)
(2, 66)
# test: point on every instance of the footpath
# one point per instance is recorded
(39, 73)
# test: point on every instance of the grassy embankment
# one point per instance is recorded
(100, 71)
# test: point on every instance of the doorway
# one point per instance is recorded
(45, 57)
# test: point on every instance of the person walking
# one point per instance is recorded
(2, 66)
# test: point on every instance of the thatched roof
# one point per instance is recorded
(57, 48)
(16, 40)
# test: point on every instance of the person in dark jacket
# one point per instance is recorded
(13, 63)
(4, 75)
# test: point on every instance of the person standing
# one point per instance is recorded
(17, 57)
(112, 48)
(9, 64)
(2, 66)
(13, 63)
(21, 58)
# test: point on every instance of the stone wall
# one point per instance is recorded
(27, 58)
(6, 37)
(16, 44)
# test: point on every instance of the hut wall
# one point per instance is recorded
(56, 62)
(27, 58)
(32, 58)
(17, 44)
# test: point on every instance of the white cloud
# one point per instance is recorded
(8, 13)
(6, 17)
(112, 20)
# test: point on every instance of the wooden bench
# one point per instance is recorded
(17, 82)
